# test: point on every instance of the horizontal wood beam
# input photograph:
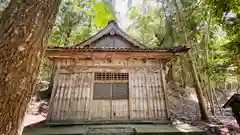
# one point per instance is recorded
(111, 81)
(97, 55)
(95, 122)
(121, 69)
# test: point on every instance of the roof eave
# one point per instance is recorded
(184, 50)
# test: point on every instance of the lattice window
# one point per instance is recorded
(119, 91)
(111, 86)
(111, 76)
(102, 91)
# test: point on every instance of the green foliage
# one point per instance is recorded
(3, 5)
(45, 70)
(72, 26)
(191, 20)
(77, 20)
(217, 66)
(134, 12)
(227, 13)
(101, 11)
(211, 26)
(221, 9)
(144, 24)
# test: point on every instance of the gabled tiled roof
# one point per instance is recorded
(112, 28)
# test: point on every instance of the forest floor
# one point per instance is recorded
(184, 109)
(218, 125)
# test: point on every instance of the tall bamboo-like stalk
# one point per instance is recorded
(215, 97)
(210, 89)
(169, 32)
(198, 88)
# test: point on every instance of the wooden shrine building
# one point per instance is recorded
(109, 77)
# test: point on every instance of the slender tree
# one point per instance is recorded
(198, 88)
(24, 30)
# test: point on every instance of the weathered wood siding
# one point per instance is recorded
(111, 41)
(120, 109)
(100, 109)
(146, 96)
(72, 97)
(73, 90)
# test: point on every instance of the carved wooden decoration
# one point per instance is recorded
(112, 31)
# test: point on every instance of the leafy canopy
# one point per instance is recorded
(101, 11)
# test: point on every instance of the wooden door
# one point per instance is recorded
(146, 96)
(120, 101)
(101, 102)
(138, 98)
(110, 97)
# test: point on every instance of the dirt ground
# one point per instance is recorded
(186, 109)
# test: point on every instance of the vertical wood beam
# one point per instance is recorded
(111, 109)
(146, 87)
(91, 96)
(163, 81)
(129, 91)
(54, 81)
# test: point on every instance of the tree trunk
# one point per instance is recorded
(183, 73)
(170, 72)
(238, 84)
(202, 106)
(210, 90)
(24, 30)
(198, 88)
(168, 22)
(219, 107)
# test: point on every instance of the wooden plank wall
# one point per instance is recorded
(120, 109)
(72, 97)
(146, 96)
(100, 109)
(72, 93)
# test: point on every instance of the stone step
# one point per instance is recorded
(183, 129)
(110, 131)
(118, 129)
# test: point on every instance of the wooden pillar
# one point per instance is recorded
(163, 81)
(54, 81)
